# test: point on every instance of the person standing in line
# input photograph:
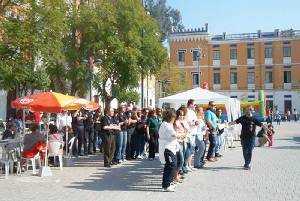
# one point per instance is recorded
(75, 133)
(80, 117)
(90, 134)
(248, 134)
(152, 133)
(220, 135)
(192, 121)
(140, 130)
(211, 121)
(122, 137)
(160, 119)
(295, 115)
(108, 129)
(200, 141)
(97, 129)
(179, 128)
(130, 135)
(168, 148)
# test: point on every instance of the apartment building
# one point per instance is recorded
(239, 65)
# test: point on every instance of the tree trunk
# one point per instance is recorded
(11, 95)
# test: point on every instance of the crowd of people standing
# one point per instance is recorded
(120, 134)
(186, 133)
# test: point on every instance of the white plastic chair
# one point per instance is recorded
(70, 146)
(54, 149)
(8, 163)
(32, 160)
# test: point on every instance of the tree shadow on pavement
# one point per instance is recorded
(130, 176)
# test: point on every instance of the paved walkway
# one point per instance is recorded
(275, 176)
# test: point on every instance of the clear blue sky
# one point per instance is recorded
(239, 16)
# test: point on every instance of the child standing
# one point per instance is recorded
(270, 134)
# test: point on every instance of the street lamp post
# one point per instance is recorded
(91, 65)
(91, 69)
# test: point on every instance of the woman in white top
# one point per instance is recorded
(200, 141)
(168, 146)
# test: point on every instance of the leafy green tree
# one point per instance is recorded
(45, 47)
(30, 43)
(168, 18)
(172, 80)
(128, 96)
(125, 39)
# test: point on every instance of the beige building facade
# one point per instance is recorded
(239, 65)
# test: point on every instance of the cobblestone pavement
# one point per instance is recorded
(275, 176)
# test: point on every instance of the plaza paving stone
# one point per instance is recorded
(275, 176)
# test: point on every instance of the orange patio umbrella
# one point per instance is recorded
(49, 102)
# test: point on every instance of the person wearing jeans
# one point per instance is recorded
(122, 136)
(212, 137)
(247, 146)
(121, 142)
(248, 134)
(201, 132)
(168, 148)
(211, 120)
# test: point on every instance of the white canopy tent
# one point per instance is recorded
(203, 96)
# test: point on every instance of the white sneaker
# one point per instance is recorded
(188, 169)
(169, 189)
(124, 160)
(139, 157)
(120, 161)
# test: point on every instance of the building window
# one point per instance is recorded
(216, 55)
(269, 77)
(181, 56)
(250, 53)
(233, 53)
(251, 77)
(287, 77)
(233, 78)
(269, 104)
(195, 79)
(196, 55)
(268, 52)
(286, 51)
(217, 78)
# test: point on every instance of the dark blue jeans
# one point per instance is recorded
(140, 144)
(212, 145)
(180, 156)
(247, 145)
